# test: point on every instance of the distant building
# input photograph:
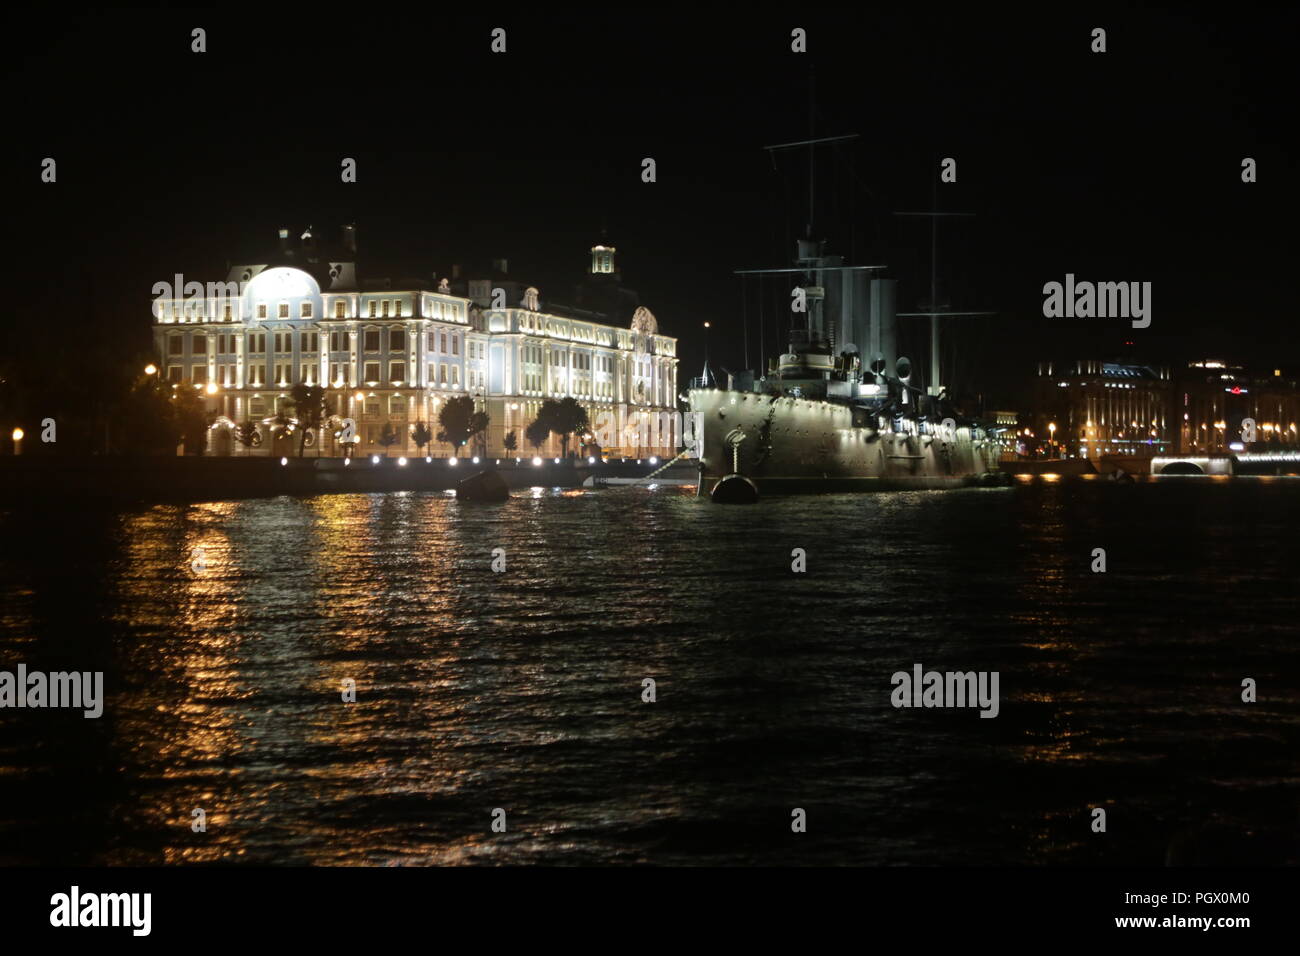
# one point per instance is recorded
(1091, 408)
(391, 351)
(1217, 398)
(1008, 438)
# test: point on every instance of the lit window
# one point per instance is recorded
(283, 311)
(305, 311)
(340, 309)
(261, 311)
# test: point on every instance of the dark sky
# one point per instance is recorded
(1118, 166)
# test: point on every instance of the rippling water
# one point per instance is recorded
(522, 690)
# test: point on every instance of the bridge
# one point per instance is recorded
(1243, 463)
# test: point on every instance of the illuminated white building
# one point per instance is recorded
(392, 351)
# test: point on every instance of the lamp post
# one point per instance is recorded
(1051, 428)
(18, 441)
(706, 355)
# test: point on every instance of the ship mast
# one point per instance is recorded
(935, 386)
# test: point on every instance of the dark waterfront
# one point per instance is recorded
(522, 690)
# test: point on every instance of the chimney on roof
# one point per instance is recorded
(284, 239)
(350, 238)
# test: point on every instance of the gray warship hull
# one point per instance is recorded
(788, 445)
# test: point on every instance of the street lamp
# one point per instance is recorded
(707, 379)
(150, 369)
(18, 441)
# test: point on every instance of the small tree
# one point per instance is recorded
(280, 425)
(149, 417)
(564, 418)
(309, 405)
(192, 419)
(421, 435)
(536, 434)
(248, 435)
(456, 418)
(388, 437)
(478, 423)
(510, 442)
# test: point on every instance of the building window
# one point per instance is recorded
(442, 374)
(173, 373)
(309, 341)
(372, 340)
(372, 406)
(385, 312)
(455, 376)
(257, 374)
(340, 309)
(372, 373)
(199, 345)
(261, 311)
(305, 311)
(336, 341)
(199, 375)
(455, 345)
(227, 315)
(397, 405)
(396, 340)
(372, 308)
(283, 311)
(397, 372)
(175, 345)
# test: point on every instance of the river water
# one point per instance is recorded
(225, 632)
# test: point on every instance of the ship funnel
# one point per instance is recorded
(878, 366)
(904, 368)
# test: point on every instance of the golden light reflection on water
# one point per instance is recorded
(198, 665)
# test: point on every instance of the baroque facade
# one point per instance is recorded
(392, 351)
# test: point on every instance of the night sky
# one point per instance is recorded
(1123, 166)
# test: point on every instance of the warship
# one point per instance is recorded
(839, 410)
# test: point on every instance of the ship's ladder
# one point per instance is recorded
(681, 454)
